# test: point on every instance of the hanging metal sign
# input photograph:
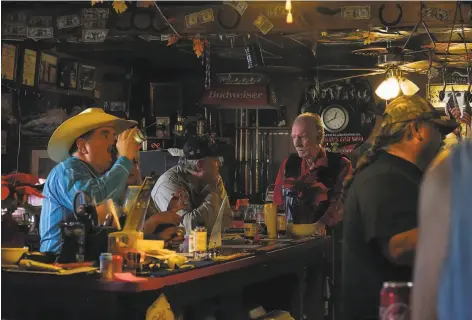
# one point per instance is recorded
(200, 17)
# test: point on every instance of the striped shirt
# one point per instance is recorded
(202, 205)
(64, 181)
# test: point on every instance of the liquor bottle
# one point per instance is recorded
(250, 224)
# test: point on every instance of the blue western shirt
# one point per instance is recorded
(64, 181)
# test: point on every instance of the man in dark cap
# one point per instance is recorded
(196, 178)
(380, 220)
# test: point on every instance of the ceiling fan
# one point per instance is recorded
(389, 59)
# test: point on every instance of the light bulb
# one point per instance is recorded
(289, 17)
(288, 5)
(408, 87)
(388, 89)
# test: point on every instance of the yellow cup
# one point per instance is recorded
(270, 217)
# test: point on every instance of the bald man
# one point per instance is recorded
(323, 171)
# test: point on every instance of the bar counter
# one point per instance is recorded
(230, 284)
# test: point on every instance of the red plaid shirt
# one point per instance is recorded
(335, 211)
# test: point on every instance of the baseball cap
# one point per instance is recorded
(416, 108)
(196, 148)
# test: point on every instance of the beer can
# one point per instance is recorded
(395, 301)
(140, 136)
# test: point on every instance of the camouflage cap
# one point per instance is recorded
(415, 108)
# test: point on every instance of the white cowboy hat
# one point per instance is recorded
(65, 135)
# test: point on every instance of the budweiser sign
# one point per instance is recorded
(236, 95)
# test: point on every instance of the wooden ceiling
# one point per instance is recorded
(322, 32)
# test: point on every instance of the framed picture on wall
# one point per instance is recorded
(29, 68)
(8, 61)
(47, 69)
(86, 78)
(162, 127)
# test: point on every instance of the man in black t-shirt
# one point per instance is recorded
(380, 218)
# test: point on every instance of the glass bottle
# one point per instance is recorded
(200, 240)
(250, 223)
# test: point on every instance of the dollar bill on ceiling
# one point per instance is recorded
(94, 35)
(276, 12)
(40, 21)
(239, 6)
(200, 17)
(95, 13)
(263, 24)
(39, 33)
(10, 29)
(356, 13)
(69, 21)
(94, 23)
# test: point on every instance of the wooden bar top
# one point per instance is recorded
(298, 251)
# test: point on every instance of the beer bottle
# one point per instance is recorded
(250, 224)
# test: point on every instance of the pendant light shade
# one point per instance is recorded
(388, 89)
(408, 87)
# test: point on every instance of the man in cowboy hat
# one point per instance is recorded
(380, 220)
(83, 148)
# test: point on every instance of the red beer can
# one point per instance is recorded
(395, 301)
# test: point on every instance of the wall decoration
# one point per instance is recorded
(433, 91)
(95, 13)
(239, 6)
(162, 127)
(94, 35)
(263, 24)
(200, 17)
(69, 21)
(29, 67)
(86, 77)
(39, 33)
(8, 61)
(356, 12)
(435, 13)
(40, 21)
(14, 30)
(68, 70)
(276, 11)
(48, 69)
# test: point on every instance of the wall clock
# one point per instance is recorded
(335, 118)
